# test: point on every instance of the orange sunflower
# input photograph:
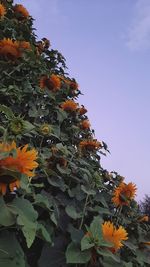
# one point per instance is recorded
(9, 48)
(22, 11)
(85, 124)
(25, 45)
(2, 11)
(90, 145)
(123, 194)
(53, 83)
(69, 106)
(24, 162)
(82, 110)
(74, 85)
(113, 235)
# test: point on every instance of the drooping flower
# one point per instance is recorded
(82, 110)
(53, 83)
(22, 11)
(69, 106)
(114, 235)
(2, 11)
(9, 49)
(90, 144)
(24, 162)
(144, 218)
(124, 193)
(85, 124)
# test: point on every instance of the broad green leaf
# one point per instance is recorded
(75, 255)
(76, 234)
(7, 111)
(71, 211)
(26, 218)
(11, 254)
(7, 218)
(86, 243)
(43, 233)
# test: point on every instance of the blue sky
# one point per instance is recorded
(107, 47)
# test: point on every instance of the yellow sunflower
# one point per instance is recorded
(9, 49)
(123, 194)
(69, 106)
(53, 83)
(22, 11)
(24, 162)
(90, 144)
(113, 235)
(2, 11)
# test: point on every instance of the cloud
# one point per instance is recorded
(138, 36)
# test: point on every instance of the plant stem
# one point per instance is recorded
(84, 209)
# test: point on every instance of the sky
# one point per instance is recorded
(106, 44)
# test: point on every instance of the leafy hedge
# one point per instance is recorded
(59, 207)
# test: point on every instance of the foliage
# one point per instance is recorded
(145, 205)
(54, 218)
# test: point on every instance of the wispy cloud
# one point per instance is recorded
(138, 36)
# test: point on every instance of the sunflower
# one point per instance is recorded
(10, 49)
(25, 45)
(53, 83)
(123, 194)
(144, 218)
(82, 110)
(2, 11)
(113, 235)
(24, 162)
(69, 106)
(74, 85)
(85, 124)
(22, 11)
(90, 145)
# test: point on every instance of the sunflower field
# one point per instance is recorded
(58, 206)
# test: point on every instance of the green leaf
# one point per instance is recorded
(42, 201)
(7, 218)
(96, 229)
(11, 254)
(76, 234)
(71, 211)
(75, 255)
(43, 233)
(88, 190)
(8, 112)
(86, 243)
(108, 253)
(26, 218)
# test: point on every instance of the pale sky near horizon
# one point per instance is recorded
(106, 44)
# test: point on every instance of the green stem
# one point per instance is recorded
(84, 209)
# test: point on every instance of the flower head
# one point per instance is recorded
(113, 235)
(23, 162)
(22, 11)
(2, 11)
(124, 193)
(45, 129)
(82, 110)
(25, 45)
(69, 106)
(85, 124)
(90, 145)
(53, 83)
(9, 49)
(74, 85)
(144, 218)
